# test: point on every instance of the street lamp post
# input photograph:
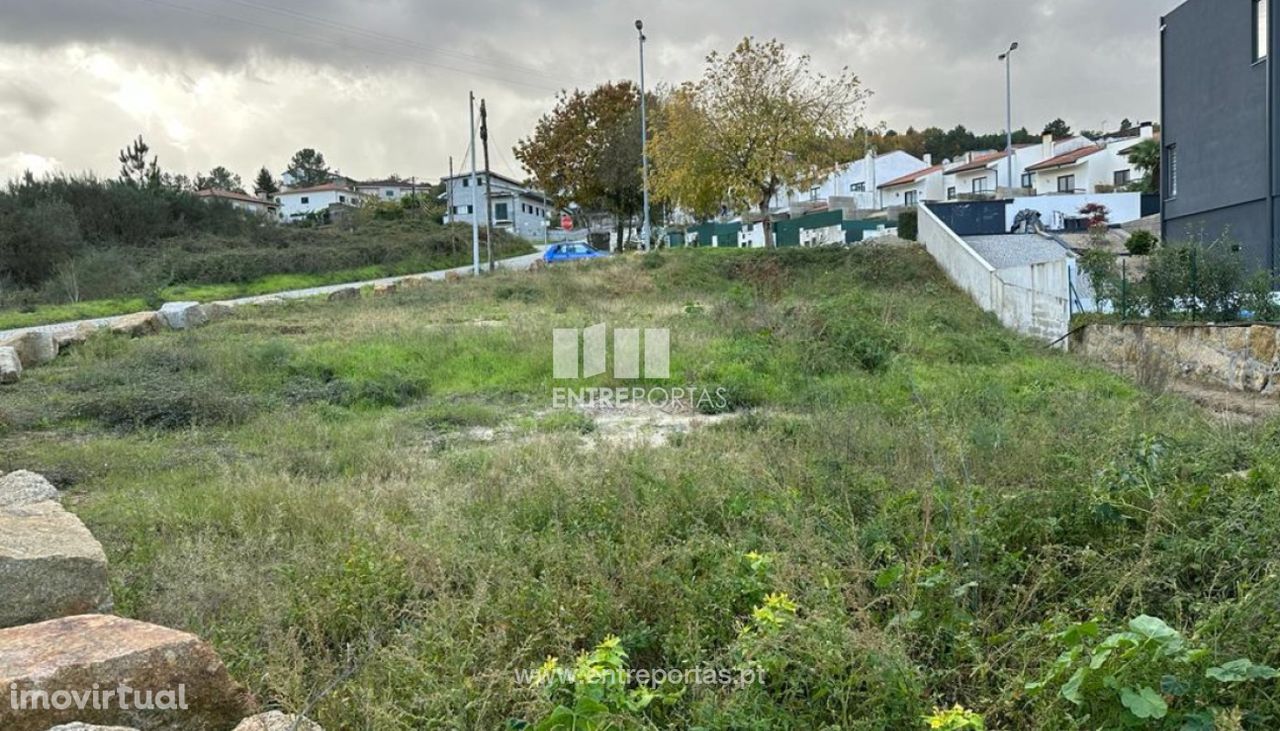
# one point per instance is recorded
(646, 232)
(1007, 57)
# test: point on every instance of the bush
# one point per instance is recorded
(35, 240)
(1195, 279)
(1142, 243)
(909, 225)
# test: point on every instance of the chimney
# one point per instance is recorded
(928, 160)
(1147, 130)
(1047, 143)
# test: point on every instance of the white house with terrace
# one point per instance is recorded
(914, 188)
(855, 182)
(298, 203)
(516, 208)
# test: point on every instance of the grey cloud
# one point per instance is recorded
(930, 62)
(25, 99)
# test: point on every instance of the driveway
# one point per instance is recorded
(518, 262)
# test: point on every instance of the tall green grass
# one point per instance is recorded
(307, 487)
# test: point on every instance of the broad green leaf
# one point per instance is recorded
(1169, 685)
(1071, 691)
(1152, 627)
(1145, 703)
(1238, 671)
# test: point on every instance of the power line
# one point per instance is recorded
(331, 43)
(380, 36)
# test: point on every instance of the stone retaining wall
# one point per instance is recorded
(1237, 357)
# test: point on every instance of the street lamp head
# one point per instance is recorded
(640, 25)
(1013, 47)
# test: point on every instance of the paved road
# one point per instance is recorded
(518, 262)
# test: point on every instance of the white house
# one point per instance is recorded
(241, 201)
(296, 203)
(391, 189)
(979, 173)
(1086, 166)
(925, 184)
(520, 210)
(857, 180)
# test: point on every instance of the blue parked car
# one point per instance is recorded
(574, 251)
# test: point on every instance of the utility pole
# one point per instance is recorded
(1007, 57)
(488, 184)
(647, 231)
(448, 190)
(475, 196)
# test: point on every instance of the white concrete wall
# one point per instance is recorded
(1125, 207)
(1033, 299)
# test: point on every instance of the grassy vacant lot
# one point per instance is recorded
(270, 258)
(913, 508)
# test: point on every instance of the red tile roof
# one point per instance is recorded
(1066, 158)
(234, 196)
(977, 163)
(913, 177)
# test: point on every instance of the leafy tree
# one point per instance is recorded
(308, 168)
(1126, 125)
(264, 186)
(1146, 157)
(1058, 128)
(756, 123)
(134, 167)
(219, 178)
(587, 151)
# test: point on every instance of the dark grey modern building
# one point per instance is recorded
(1220, 129)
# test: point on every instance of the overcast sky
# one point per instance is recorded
(380, 86)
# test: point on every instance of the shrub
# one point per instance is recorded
(1202, 281)
(909, 225)
(1141, 243)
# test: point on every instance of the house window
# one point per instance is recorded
(951, 193)
(858, 188)
(1122, 177)
(342, 199)
(305, 200)
(500, 212)
(912, 197)
(391, 194)
(979, 185)
(1028, 180)
(466, 182)
(1259, 30)
(813, 193)
(1066, 183)
(1171, 166)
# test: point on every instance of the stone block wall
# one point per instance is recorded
(1236, 357)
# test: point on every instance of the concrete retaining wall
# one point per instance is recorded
(1032, 299)
(1236, 357)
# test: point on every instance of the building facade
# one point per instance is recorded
(392, 189)
(242, 201)
(1219, 129)
(298, 203)
(515, 208)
